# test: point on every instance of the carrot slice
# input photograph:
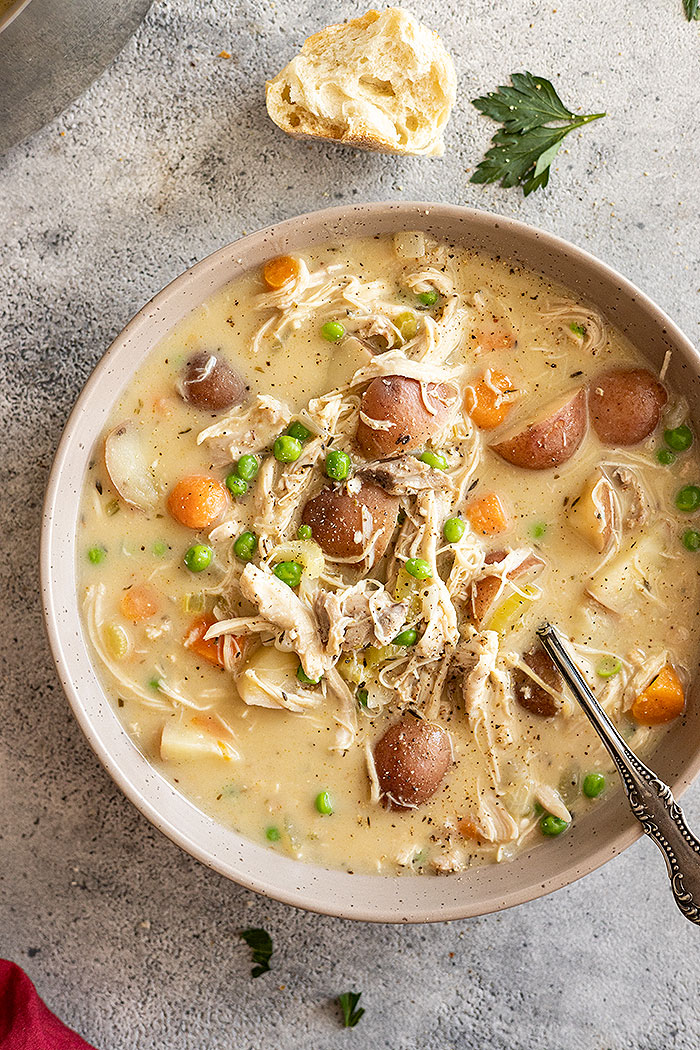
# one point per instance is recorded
(212, 650)
(198, 501)
(485, 402)
(279, 271)
(139, 603)
(470, 829)
(486, 515)
(662, 700)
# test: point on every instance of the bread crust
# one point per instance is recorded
(434, 73)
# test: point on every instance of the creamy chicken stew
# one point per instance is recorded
(326, 518)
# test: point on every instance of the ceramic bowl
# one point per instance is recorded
(597, 837)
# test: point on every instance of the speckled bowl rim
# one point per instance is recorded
(596, 838)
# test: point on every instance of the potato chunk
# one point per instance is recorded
(403, 414)
(625, 405)
(411, 760)
(594, 514)
(551, 439)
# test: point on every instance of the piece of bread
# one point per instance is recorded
(382, 82)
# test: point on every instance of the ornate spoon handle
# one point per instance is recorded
(650, 799)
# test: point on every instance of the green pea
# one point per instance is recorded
(665, 458)
(304, 532)
(247, 467)
(453, 529)
(245, 546)
(289, 572)
(608, 667)
(550, 825)
(324, 804)
(407, 324)
(160, 549)
(299, 431)
(304, 678)
(691, 540)
(362, 697)
(680, 438)
(436, 460)
(332, 331)
(428, 298)
(409, 636)
(418, 568)
(538, 529)
(97, 554)
(688, 498)
(198, 557)
(337, 464)
(236, 486)
(287, 448)
(593, 785)
(273, 834)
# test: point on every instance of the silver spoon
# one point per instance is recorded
(650, 799)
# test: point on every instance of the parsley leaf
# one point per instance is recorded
(522, 151)
(692, 10)
(261, 943)
(348, 1004)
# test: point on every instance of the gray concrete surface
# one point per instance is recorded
(169, 155)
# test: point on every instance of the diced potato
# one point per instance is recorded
(621, 583)
(182, 740)
(409, 244)
(267, 666)
(594, 515)
(125, 460)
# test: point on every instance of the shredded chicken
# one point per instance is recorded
(279, 605)
(638, 507)
(357, 617)
(567, 313)
(406, 476)
(251, 431)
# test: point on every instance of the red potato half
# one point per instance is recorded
(128, 470)
(209, 383)
(411, 760)
(335, 517)
(625, 405)
(407, 413)
(530, 694)
(551, 439)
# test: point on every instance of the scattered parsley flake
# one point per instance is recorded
(577, 329)
(522, 150)
(261, 944)
(348, 1004)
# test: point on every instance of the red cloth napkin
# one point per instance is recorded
(26, 1023)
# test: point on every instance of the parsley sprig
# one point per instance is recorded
(531, 113)
(692, 10)
(261, 944)
(348, 1004)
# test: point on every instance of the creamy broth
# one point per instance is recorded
(628, 600)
